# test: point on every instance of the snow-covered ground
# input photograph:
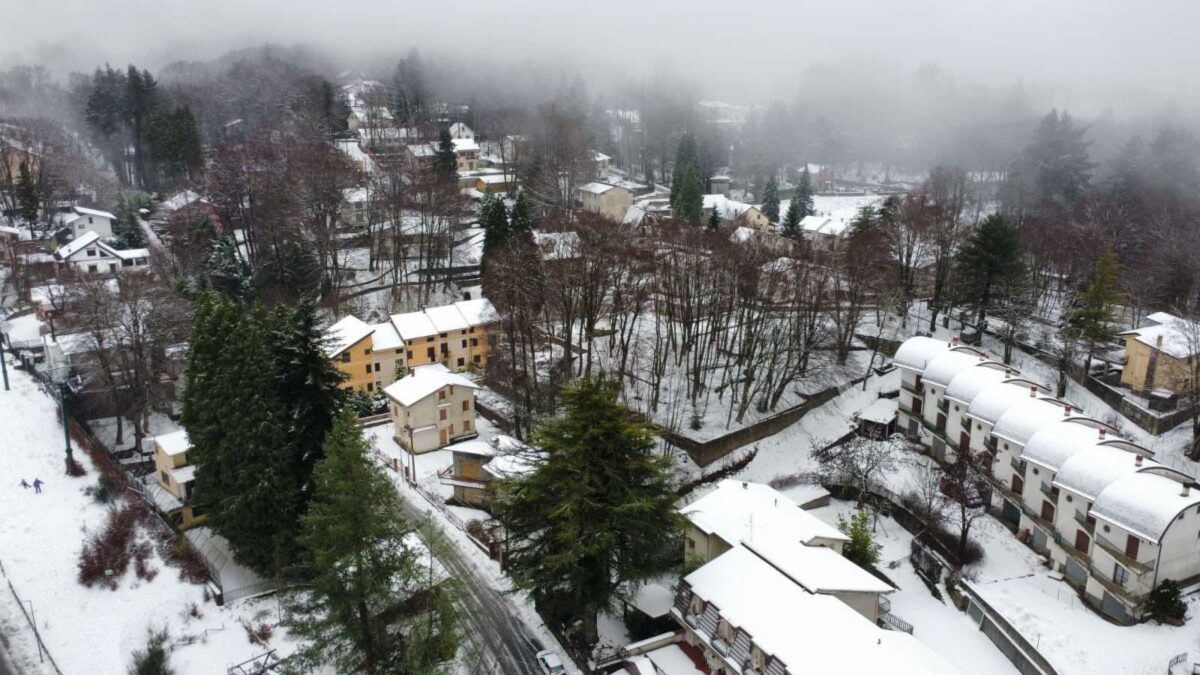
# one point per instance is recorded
(93, 630)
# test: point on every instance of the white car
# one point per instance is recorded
(550, 663)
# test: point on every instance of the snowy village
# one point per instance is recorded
(381, 357)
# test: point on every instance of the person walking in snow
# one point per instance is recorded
(37, 485)
(24, 484)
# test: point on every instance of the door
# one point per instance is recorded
(941, 422)
(1131, 547)
(1010, 513)
(1038, 540)
(1047, 512)
(1075, 572)
(1111, 606)
(1082, 541)
(916, 408)
(442, 436)
(912, 427)
(964, 440)
(1018, 485)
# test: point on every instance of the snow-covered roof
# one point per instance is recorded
(727, 208)
(496, 178)
(465, 144)
(385, 337)
(881, 411)
(477, 312)
(345, 333)
(654, 598)
(76, 245)
(512, 465)
(180, 200)
(596, 188)
(916, 352)
(741, 235)
(446, 318)
(557, 245)
(174, 443)
(740, 511)
(1180, 337)
(413, 325)
(598, 156)
(131, 253)
(1144, 503)
(1090, 470)
(424, 381)
(1052, 445)
(1027, 417)
(995, 399)
(966, 385)
(824, 225)
(94, 212)
(805, 632)
(473, 447)
(817, 568)
(184, 474)
(943, 367)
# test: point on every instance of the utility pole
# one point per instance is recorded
(3, 364)
(62, 404)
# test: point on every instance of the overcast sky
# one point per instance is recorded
(1090, 52)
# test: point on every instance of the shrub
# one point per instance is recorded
(154, 659)
(260, 635)
(191, 565)
(105, 557)
(105, 491)
(860, 549)
(1165, 602)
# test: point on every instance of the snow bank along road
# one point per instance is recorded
(500, 635)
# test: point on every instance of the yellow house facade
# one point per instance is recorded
(351, 349)
(176, 475)
(1161, 355)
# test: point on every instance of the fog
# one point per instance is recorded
(1086, 55)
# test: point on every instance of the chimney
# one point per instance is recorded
(745, 485)
(1185, 491)
(1103, 433)
(1137, 461)
(1158, 341)
(1066, 411)
(1032, 391)
(954, 341)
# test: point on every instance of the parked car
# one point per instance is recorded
(550, 663)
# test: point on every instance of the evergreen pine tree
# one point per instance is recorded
(237, 427)
(866, 219)
(1091, 316)
(127, 230)
(689, 198)
(226, 272)
(804, 194)
(770, 201)
(595, 515)
(791, 221)
(522, 218)
(685, 156)
(28, 203)
(988, 263)
(370, 606)
(493, 218)
(446, 162)
(714, 218)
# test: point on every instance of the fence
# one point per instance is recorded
(43, 651)
(1022, 654)
(894, 622)
(1176, 660)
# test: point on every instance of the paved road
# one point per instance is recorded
(503, 639)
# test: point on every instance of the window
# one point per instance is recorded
(461, 362)
(368, 369)
(92, 268)
(1120, 575)
(345, 357)
(429, 339)
(441, 394)
(370, 387)
(475, 358)
(464, 343)
(441, 335)
(474, 342)
(429, 353)
(91, 253)
(166, 479)
(410, 355)
(466, 405)
(367, 351)
(466, 426)
(377, 367)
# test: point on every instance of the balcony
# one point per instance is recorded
(1082, 519)
(914, 389)
(1118, 553)
(1105, 579)
(1017, 465)
(1049, 491)
(943, 406)
(991, 444)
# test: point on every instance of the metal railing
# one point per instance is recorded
(893, 622)
(1118, 553)
(1082, 519)
(1018, 465)
(1049, 490)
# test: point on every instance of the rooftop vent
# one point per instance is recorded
(1137, 461)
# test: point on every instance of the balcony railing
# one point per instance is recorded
(1050, 491)
(1105, 579)
(1018, 465)
(914, 389)
(1082, 519)
(1118, 553)
(990, 444)
(944, 406)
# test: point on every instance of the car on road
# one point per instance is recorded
(550, 663)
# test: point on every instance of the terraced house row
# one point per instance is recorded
(1115, 522)
(458, 336)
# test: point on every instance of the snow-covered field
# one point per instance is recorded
(92, 630)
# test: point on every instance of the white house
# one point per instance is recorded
(736, 213)
(610, 201)
(747, 615)
(81, 220)
(87, 253)
(458, 130)
(1111, 519)
(431, 408)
